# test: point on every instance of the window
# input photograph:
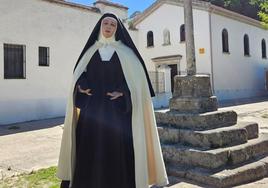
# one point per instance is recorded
(225, 42)
(263, 48)
(150, 39)
(14, 61)
(166, 34)
(43, 56)
(246, 45)
(182, 33)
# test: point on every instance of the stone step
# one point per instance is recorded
(193, 104)
(204, 121)
(215, 138)
(215, 158)
(225, 177)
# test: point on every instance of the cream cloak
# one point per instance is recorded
(149, 163)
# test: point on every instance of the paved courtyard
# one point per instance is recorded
(33, 145)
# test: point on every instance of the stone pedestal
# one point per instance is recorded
(192, 94)
(206, 145)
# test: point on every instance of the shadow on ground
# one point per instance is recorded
(30, 126)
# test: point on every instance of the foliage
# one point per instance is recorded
(44, 178)
(263, 13)
(256, 9)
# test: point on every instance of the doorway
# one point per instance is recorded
(173, 72)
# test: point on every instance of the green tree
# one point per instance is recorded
(263, 13)
(262, 6)
(240, 6)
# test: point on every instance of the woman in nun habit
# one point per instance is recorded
(110, 138)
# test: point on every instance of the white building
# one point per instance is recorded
(235, 74)
(42, 39)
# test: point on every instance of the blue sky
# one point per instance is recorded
(133, 5)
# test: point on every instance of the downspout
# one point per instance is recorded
(211, 51)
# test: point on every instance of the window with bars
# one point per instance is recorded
(14, 61)
(182, 33)
(263, 49)
(246, 45)
(150, 39)
(225, 41)
(43, 56)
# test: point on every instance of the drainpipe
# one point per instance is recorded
(211, 51)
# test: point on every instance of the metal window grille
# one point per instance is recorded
(14, 61)
(246, 45)
(43, 56)
(150, 39)
(182, 33)
(263, 48)
(225, 41)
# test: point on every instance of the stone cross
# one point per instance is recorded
(189, 32)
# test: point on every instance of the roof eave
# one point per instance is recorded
(201, 6)
(74, 5)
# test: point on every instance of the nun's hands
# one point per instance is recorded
(114, 95)
(85, 91)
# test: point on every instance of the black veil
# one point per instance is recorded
(120, 34)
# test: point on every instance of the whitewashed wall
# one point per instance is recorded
(235, 75)
(38, 23)
(64, 29)
(172, 17)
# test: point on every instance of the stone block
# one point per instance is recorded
(193, 105)
(192, 86)
(226, 177)
(252, 129)
(214, 138)
(215, 158)
(255, 147)
(169, 135)
(178, 154)
(204, 121)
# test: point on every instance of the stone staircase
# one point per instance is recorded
(209, 146)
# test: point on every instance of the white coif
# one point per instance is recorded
(106, 52)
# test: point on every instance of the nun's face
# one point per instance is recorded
(109, 26)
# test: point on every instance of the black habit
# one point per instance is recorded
(105, 154)
(104, 140)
